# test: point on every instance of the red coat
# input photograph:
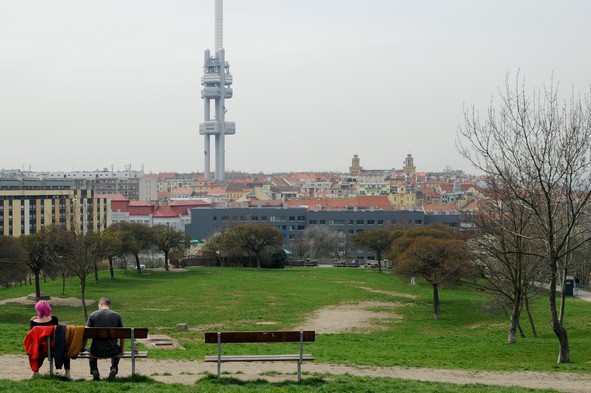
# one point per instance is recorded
(35, 343)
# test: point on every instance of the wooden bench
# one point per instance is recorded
(220, 338)
(111, 333)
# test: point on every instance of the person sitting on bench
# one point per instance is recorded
(44, 318)
(105, 317)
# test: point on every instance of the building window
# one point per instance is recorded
(313, 222)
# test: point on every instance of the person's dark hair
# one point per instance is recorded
(106, 301)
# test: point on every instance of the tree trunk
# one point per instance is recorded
(379, 255)
(513, 322)
(557, 327)
(530, 317)
(166, 260)
(96, 277)
(436, 301)
(521, 333)
(137, 263)
(37, 285)
(562, 298)
(111, 268)
(564, 354)
(82, 296)
(63, 283)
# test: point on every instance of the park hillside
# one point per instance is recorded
(213, 298)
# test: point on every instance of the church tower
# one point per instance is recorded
(409, 166)
(355, 169)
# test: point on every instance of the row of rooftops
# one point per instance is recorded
(119, 203)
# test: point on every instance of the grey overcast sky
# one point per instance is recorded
(92, 84)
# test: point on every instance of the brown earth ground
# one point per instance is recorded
(360, 318)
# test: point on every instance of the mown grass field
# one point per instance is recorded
(465, 337)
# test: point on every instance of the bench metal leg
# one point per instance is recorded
(49, 357)
(219, 354)
(301, 356)
(132, 352)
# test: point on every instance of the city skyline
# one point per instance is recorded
(90, 84)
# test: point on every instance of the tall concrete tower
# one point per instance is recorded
(216, 83)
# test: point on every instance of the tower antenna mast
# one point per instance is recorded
(216, 83)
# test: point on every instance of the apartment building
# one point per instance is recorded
(28, 205)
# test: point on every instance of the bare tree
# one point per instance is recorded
(85, 250)
(435, 252)
(13, 260)
(213, 244)
(43, 249)
(323, 241)
(377, 240)
(169, 239)
(539, 149)
(299, 245)
(113, 243)
(138, 238)
(501, 252)
(252, 238)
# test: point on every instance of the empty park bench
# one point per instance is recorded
(110, 333)
(220, 338)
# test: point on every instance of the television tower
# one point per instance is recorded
(216, 83)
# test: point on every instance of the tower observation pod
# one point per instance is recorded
(216, 83)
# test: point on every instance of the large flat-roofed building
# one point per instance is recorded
(105, 181)
(294, 221)
(28, 205)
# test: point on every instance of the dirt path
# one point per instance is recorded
(188, 372)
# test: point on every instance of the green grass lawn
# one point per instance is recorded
(321, 384)
(465, 336)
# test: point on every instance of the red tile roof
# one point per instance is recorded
(165, 211)
(446, 187)
(471, 207)
(140, 208)
(181, 191)
(439, 207)
(428, 191)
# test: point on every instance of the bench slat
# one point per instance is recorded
(259, 358)
(259, 337)
(114, 332)
(124, 355)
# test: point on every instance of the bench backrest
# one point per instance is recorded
(114, 332)
(260, 337)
